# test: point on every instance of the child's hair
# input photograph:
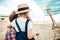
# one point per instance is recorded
(25, 13)
(12, 16)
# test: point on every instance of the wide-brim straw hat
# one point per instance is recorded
(23, 8)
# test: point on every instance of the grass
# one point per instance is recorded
(46, 32)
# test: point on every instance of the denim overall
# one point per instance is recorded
(22, 35)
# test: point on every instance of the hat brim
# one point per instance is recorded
(23, 11)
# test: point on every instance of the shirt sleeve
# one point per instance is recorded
(30, 25)
(14, 25)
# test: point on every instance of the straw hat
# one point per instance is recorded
(23, 8)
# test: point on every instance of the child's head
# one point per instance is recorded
(12, 16)
(23, 11)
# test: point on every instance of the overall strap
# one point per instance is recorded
(26, 24)
(17, 25)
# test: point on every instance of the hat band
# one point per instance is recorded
(25, 8)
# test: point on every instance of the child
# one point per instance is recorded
(11, 33)
(20, 23)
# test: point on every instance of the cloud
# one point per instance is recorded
(36, 13)
(4, 10)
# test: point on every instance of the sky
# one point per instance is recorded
(37, 13)
(53, 4)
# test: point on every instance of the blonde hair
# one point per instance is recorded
(28, 17)
(25, 14)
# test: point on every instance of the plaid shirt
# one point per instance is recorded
(10, 34)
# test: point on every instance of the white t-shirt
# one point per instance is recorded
(21, 21)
